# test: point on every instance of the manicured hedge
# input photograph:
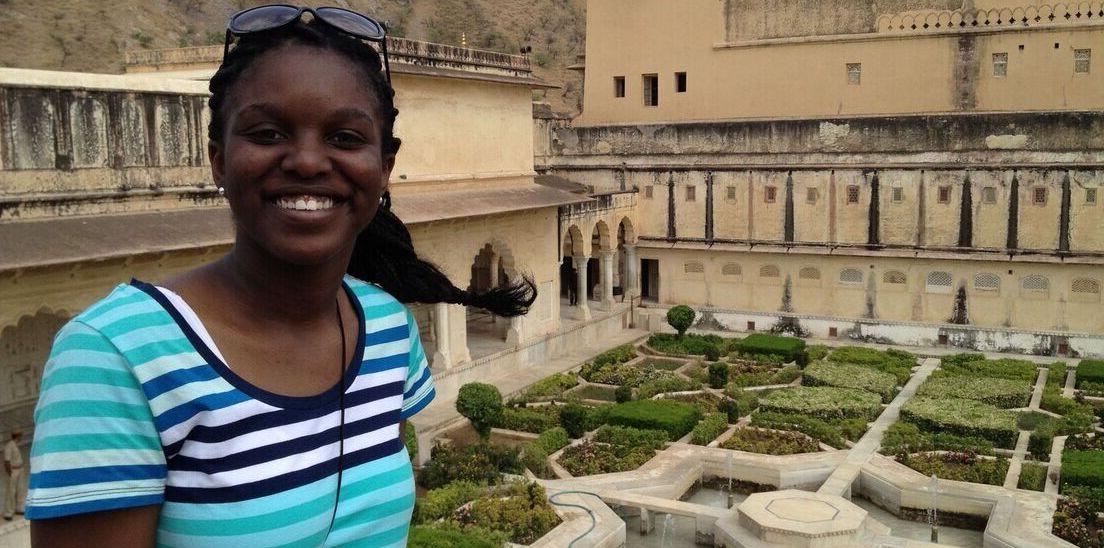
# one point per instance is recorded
(552, 440)
(530, 419)
(443, 501)
(823, 402)
(851, 376)
(812, 427)
(963, 418)
(675, 418)
(902, 437)
(1003, 393)
(770, 443)
(1090, 371)
(551, 387)
(1083, 468)
(790, 348)
(451, 536)
(1032, 477)
(1057, 375)
(620, 354)
(709, 428)
(622, 375)
(960, 467)
(689, 344)
(895, 362)
(1002, 369)
(630, 437)
(671, 383)
(741, 404)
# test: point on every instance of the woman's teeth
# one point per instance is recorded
(304, 203)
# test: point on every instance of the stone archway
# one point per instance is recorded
(25, 347)
(492, 266)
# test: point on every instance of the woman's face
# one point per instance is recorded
(301, 158)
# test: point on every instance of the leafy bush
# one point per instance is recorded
(1032, 477)
(481, 463)
(597, 392)
(960, 467)
(1083, 468)
(573, 418)
(963, 418)
(767, 442)
(443, 501)
(958, 360)
(1085, 443)
(852, 429)
(817, 352)
(709, 428)
(598, 415)
(481, 404)
(1090, 371)
(790, 348)
(1041, 441)
(535, 459)
(552, 440)
(623, 436)
(895, 362)
(620, 354)
(672, 383)
(551, 387)
(680, 317)
(622, 394)
(786, 375)
(740, 404)
(712, 354)
(902, 437)
(823, 402)
(1003, 393)
(1092, 388)
(411, 442)
(675, 418)
(706, 402)
(1004, 368)
(851, 376)
(623, 375)
(530, 419)
(1057, 375)
(660, 363)
(451, 535)
(591, 457)
(812, 427)
(525, 517)
(718, 374)
(689, 344)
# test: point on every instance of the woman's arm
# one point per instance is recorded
(126, 528)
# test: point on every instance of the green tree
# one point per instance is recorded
(482, 405)
(680, 317)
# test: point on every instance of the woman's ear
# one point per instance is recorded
(218, 168)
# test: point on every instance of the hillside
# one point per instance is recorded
(91, 35)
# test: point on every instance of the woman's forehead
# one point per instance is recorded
(298, 72)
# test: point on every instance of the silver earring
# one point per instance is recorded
(381, 200)
(222, 191)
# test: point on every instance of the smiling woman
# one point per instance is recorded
(258, 400)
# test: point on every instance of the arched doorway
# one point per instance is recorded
(491, 267)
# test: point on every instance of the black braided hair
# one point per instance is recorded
(384, 252)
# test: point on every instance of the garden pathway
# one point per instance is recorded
(1071, 378)
(839, 483)
(1054, 469)
(1012, 478)
(1040, 385)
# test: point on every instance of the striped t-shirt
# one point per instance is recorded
(135, 410)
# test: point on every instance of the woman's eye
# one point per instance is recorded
(265, 135)
(347, 139)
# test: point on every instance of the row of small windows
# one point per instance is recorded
(1082, 59)
(937, 281)
(897, 194)
(649, 84)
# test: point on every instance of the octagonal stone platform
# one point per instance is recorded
(802, 519)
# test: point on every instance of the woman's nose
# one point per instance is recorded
(307, 159)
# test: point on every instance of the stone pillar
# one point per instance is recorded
(442, 357)
(632, 285)
(515, 330)
(458, 329)
(647, 521)
(606, 273)
(581, 284)
(492, 282)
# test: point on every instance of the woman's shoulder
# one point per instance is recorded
(125, 303)
(373, 298)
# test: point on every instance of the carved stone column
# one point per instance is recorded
(581, 281)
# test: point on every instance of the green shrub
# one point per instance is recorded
(680, 317)
(770, 443)
(853, 429)
(573, 418)
(960, 467)
(551, 387)
(591, 457)
(481, 463)
(411, 441)
(718, 374)
(530, 419)
(620, 354)
(1083, 468)
(851, 376)
(739, 405)
(709, 428)
(1057, 375)
(957, 360)
(481, 404)
(596, 392)
(817, 352)
(1003, 393)
(1041, 441)
(790, 348)
(895, 362)
(786, 375)
(623, 375)
(623, 436)
(553, 440)
(812, 427)
(903, 437)
(1090, 371)
(597, 416)
(450, 535)
(823, 402)
(675, 418)
(443, 501)
(1090, 388)
(962, 418)
(672, 383)
(525, 517)
(1004, 368)
(1032, 477)
(689, 344)
(535, 458)
(622, 394)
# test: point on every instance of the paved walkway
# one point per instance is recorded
(1012, 478)
(15, 533)
(839, 483)
(1071, 378)
(1054, 469)
(1040, 386)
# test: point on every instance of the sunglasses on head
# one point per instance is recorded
(271, 17)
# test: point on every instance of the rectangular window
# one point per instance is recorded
(730, 193)
(852, 194)
(810, 195)
(648, 192)
(989, 195)
(898, 194)
(1090, 195)
(1038, 196)
(651, 90)
(618, 86)
(944, 194)
(854, 74)
(1081, 58)
(680, 82)
(1000, 65)
(769, 195)
(691, 193)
